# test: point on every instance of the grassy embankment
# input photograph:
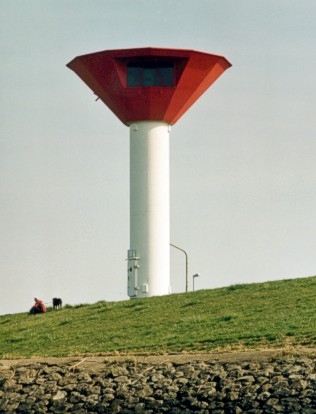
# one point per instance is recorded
(255, 316)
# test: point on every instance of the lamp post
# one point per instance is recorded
(186, 265)
(194, 276)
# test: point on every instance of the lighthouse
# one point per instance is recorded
(149, 89)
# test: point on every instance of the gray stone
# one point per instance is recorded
(182, 381)
(109, 397)
(60, 395)
(246, 379)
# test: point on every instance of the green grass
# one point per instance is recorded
(265, 315)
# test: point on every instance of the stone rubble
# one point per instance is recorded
(285, 385)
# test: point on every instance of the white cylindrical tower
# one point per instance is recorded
(149, 254)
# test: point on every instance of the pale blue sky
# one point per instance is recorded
(243, 169)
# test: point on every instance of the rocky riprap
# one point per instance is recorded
(286, 385)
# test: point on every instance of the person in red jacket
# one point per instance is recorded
(38, 307)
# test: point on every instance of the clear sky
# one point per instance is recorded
(243, 170)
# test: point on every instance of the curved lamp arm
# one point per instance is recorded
(186, 265)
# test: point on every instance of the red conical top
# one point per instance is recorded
(149, 84)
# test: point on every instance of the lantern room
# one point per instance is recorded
(149, 84)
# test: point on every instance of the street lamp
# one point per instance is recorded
(194, 276)
(186, 265)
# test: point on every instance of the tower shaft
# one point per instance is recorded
(149, 254)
